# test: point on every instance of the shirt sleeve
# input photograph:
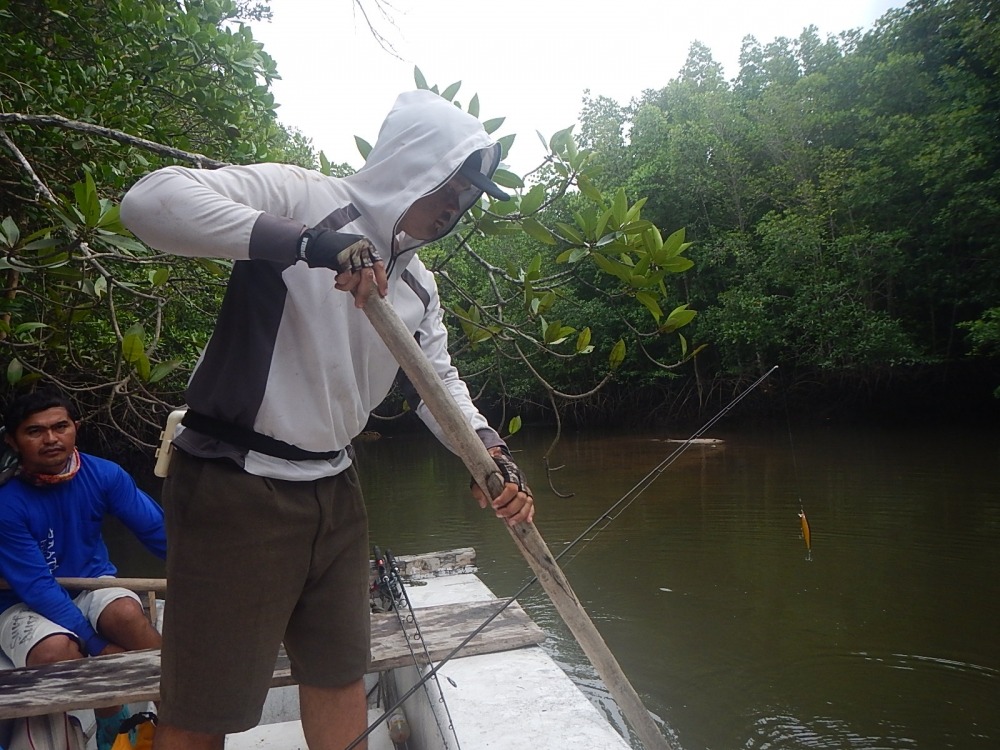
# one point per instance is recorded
(238, 213)
(24, 567)
(433, 339)
(138, 511)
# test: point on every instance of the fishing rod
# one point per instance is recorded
(634, 492)
(392, 584)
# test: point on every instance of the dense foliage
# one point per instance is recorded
(93, 96)
(839, 199)
(843, 195)
(96, 95)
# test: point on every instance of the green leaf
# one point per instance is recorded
(678, 264)
(491, 126)
(673, 245)
(418, 78)
(507, 179)
(633, 213)
(602, 223)
(619, 270)
(132, 345)
(9, 233)
(588, 189)
(28, 328)
(142, 366)
(163, 369)
(620, 206)
(364, 147)
(515, 426)
(555, 333)
(449, 93)
(214, 267)
(536, 231)
(505, 143)
(128, 244)
(87, 202)
(543, 303)
(650, 303)
(534, 267)
(15, 371)
(560, 140)
(679, 317)
(635, 227)
(617, 355)
(653, 241)
(502, 208)
(159, 276)
(533, 200)
(110, 218)
(473, 108)
(583, 341)
(570, 233)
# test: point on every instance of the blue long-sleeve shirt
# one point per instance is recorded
(55, 530)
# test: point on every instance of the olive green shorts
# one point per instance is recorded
(252, 562)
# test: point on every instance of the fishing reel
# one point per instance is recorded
(385, 591)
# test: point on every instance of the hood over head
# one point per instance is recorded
(423, 142)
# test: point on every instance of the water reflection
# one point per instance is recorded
(701, 588)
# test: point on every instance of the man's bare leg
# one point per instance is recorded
(172, 738)
(332, 718)
(124, 623)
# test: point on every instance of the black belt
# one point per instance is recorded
(244, 438)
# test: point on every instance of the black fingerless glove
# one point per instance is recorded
(324, 248)
(509, 472)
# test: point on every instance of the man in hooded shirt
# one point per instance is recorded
(266, 524)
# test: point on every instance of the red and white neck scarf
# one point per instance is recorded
(41, 480)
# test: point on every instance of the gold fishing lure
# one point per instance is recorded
(805, 532)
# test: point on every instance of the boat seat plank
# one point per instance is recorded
(135, 676)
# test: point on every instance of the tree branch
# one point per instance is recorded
(115, 135)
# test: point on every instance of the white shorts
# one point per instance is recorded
(21, 629)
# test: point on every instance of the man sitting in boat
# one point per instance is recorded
(262, 499)
(51, 512)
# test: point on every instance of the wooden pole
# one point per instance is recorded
(150, 586)
(482, 467)
(138, 585)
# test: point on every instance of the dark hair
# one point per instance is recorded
(24, 406)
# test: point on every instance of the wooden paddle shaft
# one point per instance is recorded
(480, 464)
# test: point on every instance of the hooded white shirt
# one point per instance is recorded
(291, 358)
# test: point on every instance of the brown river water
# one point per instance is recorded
(702, 586)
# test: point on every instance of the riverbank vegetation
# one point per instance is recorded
(832, 209)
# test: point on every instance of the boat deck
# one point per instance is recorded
(514, 700)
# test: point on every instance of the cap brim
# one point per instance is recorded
(483, 182)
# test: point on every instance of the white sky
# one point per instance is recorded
(529, 60)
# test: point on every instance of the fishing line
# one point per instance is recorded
(623, 503)
(643, 484)
(803, 521)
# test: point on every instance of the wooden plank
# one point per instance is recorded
(135, 676)
(434, 564)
